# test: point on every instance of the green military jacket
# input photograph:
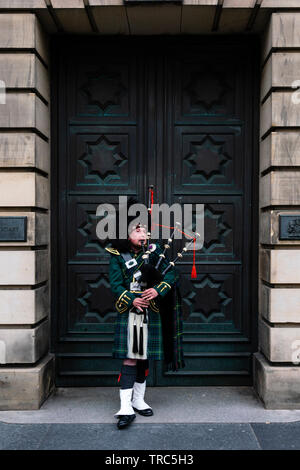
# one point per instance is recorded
(120, 277)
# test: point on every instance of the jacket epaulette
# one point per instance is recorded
(112, 250)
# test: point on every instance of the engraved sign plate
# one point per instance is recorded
(289, 227)
(13, 229)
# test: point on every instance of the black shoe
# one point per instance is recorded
(125, 420)
(147, 412)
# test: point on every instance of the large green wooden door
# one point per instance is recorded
(180, 114)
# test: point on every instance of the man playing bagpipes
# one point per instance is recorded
(149, 316)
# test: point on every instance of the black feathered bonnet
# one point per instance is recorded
(123, 245)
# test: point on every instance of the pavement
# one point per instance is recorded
(195, 418)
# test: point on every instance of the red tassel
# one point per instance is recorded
(119, 377)
(146, 372)
(194, 272)
(152, 200)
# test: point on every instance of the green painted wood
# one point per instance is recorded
(179, 113)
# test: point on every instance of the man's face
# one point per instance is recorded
(138, 235)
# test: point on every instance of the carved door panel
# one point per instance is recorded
(178, 115)
(211, 93)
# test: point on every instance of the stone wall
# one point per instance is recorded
(276, 373)
(26, 367)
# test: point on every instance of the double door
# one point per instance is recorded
(179, 113)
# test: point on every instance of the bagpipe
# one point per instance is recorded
(151, 274)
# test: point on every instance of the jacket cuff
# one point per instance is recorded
(125, 301)
(162, 288)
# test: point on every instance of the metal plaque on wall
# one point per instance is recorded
(13, 229)
(289, 227)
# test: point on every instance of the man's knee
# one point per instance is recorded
(129, 362)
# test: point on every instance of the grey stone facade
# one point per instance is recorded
(26, 366)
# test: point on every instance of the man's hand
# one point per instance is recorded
(140, 303)
(149, 294)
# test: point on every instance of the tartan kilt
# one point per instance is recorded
(155, 343)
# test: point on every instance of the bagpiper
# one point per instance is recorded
(148, 324)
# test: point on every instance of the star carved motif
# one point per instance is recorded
(95, 311)
(104, 89)
(102, 161)
(205, 88)
(207, 300)
(207, 159)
